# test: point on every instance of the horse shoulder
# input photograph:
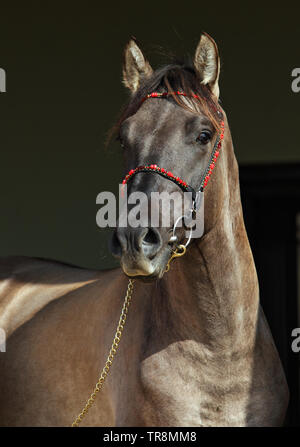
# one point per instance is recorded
(27, 285)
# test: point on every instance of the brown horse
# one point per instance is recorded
(196, 349)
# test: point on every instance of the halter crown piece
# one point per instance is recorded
(168, 174)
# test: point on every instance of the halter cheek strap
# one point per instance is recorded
(168, 174)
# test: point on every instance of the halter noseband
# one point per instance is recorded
(168, 174)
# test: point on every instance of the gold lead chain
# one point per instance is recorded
(180, 251)
(111, 355)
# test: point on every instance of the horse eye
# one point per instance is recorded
(204, 137)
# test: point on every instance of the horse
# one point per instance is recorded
(196, 349)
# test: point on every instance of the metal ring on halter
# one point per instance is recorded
(174, 237)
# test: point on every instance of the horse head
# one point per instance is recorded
(171, 127)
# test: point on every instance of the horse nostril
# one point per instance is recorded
(151, 237)
(146, 241)
(117, 244)
(151, 242)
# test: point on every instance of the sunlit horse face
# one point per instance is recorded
(178, 137)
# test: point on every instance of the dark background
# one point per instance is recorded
(64, 92)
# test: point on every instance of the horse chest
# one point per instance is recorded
(179, 387)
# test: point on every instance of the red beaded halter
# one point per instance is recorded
(168, 174)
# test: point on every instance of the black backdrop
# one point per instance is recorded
(271, 202)
(63, 66)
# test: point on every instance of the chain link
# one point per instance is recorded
(111, 355)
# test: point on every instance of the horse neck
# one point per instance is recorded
(212, 292)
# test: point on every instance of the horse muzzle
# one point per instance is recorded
(140, 251)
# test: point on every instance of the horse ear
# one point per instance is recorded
(207, 63)
(135, 66)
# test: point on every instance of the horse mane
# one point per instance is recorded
(169, 78)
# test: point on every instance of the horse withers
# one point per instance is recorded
(196, 349)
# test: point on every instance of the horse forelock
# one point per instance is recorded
(174, 77)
